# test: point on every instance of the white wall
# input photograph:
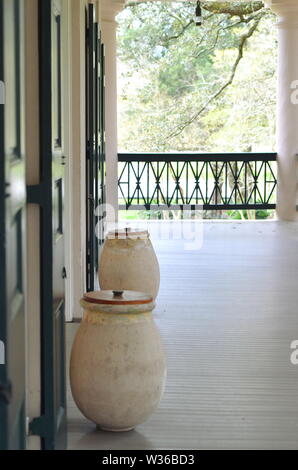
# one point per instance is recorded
(77, 186)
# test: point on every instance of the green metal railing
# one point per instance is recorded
(213, 181)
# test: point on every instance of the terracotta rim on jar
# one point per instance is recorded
(109, 297)
(128, 233)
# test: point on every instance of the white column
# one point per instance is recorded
(109, 10)
(287, 110)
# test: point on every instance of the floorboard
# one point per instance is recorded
(228, 313)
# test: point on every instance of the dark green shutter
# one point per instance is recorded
(95, 161)
(12, 224)
(51, 426)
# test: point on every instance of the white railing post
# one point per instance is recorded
(287, 107)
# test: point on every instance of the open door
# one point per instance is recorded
(95, 161)
(51, 426)
(12, 219)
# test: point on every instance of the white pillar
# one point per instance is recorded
(109, 10)
(287, 110)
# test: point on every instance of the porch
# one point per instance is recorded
(228, 315)
(227, 310)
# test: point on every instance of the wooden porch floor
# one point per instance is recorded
(228, 314)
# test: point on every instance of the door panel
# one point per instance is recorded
(95, 170)
(58, 270)
(102, 145)
(51, 426)
(12, 219)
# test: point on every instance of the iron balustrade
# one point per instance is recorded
(213, 181)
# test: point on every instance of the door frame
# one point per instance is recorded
(74, 112)
(51, 424)
(67, 34)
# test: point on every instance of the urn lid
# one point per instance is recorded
(128, 233)
(109, 297)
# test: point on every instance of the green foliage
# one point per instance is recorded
(169, 70)
(246, 215)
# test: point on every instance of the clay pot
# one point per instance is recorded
(128, 262)
(118, 365)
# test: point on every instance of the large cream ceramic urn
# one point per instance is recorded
(118, 364)
(128, 262)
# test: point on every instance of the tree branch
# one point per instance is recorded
(243, 40)
(178, 35)
(233, 9)
(221, 28)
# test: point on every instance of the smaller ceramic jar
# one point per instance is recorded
(128, 262)
(118, 364)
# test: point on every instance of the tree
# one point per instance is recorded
(187, 88)
(180, 84)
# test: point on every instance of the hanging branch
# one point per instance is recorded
(239, 9)
(243, 40)
(233, 9)
(178, 35)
